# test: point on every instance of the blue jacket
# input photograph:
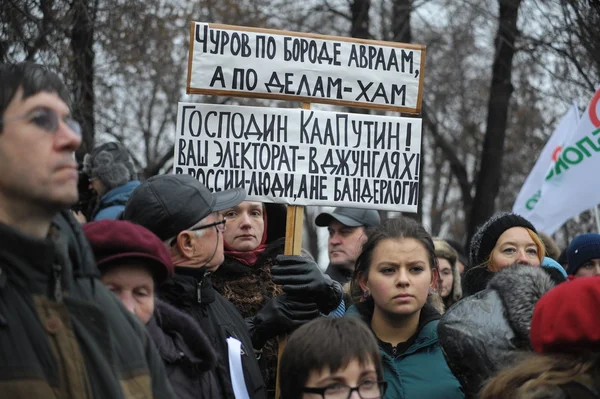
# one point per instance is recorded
(420, 372)
(113, 202)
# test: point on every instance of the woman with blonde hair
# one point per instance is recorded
(565, 334)
(487, 330)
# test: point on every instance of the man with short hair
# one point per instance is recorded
(183, 213)
(62, 333)
(346, 228)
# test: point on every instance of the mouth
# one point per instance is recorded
(403, 297)
(245, 236)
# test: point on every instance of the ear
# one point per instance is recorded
(435, 276)
(185, 244)
(362, 281)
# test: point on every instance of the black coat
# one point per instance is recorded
(486, 332)
(189, 358)
(191, 291)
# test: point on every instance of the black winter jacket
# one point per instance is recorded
(487, 331)
(191, 291)
(189, 358)
(62, 333)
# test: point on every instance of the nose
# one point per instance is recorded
(335, 239)
(523, 257)
(66, 138)
(402, 277)
(128, 301)
(597, 270)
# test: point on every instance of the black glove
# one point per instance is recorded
(302, 278)
(279, 316)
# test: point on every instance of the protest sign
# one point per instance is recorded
(570, 186)
(253, 62)
(302, 157)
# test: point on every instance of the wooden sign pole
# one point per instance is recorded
(293, 246)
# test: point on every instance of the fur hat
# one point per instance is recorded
(582, 248)
(566, 318)
(484, 240)
(111, 163)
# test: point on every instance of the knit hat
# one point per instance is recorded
(484, 240)
(582, 248)
(566, 318)
(552, 264)
(116, 241)
(111, 163)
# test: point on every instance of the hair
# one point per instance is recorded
(552, 249)
(32, 78)
(541, 249)
(445, 251)
(330, 343)
(540, 372)
(396, 228)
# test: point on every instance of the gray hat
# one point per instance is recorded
(111, 163)
(168, 204)
(351, 217)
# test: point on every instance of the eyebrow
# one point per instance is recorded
(516, 244)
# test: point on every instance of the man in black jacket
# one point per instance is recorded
(62, 334)
(183, 213)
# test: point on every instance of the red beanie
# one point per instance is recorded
(119, 240)
(567, 318)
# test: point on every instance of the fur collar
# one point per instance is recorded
(520, 287)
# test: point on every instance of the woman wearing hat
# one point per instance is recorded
(485, 331)
(583, 255)
(132, 263)
(565, 335)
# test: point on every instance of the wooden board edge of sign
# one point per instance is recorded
(410, 46)
(293, 230)
(289, 97)
(190, 56)
(421, 80)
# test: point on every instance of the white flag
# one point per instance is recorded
(531, 190)
(572, 185)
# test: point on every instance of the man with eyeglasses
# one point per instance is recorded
(62, 333)
(183, 213)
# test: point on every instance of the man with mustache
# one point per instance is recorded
(62, 333)
(346, 228)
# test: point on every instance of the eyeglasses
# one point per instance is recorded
(220, 225)
(366, 390)
(46, 119)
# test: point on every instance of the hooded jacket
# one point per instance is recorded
(485, 332)
(113, 202)
(62, 333)
(189, 358)
(191, 291)
(421, 371)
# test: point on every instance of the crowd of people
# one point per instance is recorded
(164, 289)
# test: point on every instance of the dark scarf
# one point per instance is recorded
(249, 258)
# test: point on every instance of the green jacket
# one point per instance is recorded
(421, 371)
(62, 333)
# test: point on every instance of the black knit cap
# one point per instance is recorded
(484, 240)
